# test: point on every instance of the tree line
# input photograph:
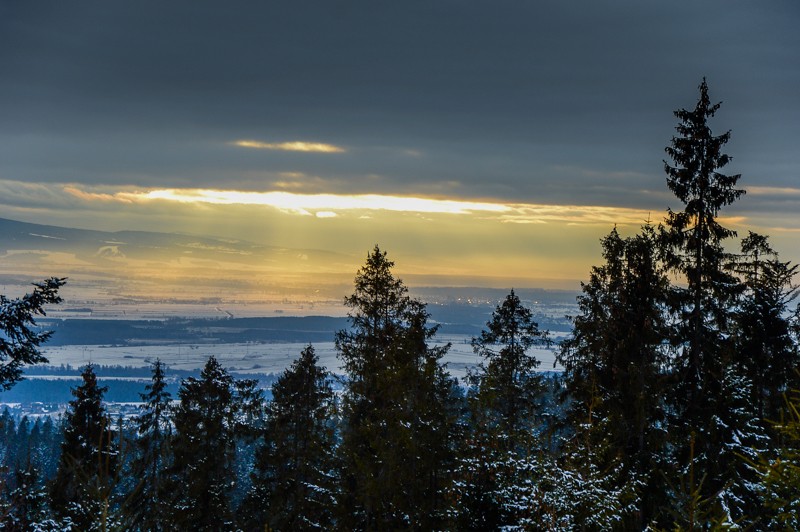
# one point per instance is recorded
(677, 408)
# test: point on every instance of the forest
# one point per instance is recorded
(678, 407)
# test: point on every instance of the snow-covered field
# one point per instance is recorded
(249, 357)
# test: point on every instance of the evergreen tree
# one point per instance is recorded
(19, 339)
(614, 367)
(26, 501)
(212, 412)
(504, 405)
(508, 387)
(398, 416)
(147, 507)
(81, 489)
(768, 354)
(780, 475)
(693, 242)
(293, 486)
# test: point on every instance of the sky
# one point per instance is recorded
(488, 141)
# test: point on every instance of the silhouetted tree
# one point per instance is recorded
(148, 505)
(293, 482)
(505, 404)
(768, 355)
(398, 421)
(615, 366)
(212, 411)
(693, 243)
(81, 489)
(19, 340)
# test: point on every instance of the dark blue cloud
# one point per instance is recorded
(530, 101)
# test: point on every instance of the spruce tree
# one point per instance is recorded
(693, 242)
(207, 421)
(27, 500)
(293, 484)
(614, 369)
(508, 387)
(505, 407)
(81, 489)
(147, 506)
(768, 354)
(398, 419)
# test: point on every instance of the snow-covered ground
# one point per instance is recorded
(250, 357)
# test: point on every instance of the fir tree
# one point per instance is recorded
(508, 387)
(398, 419)
(293, 484)
(206, 422)
(81, 489)
(147, 506)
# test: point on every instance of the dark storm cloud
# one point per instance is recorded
(525, 101)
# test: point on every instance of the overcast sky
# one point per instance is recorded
(506, 102)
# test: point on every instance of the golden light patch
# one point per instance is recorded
(302, 203)
(317, 147)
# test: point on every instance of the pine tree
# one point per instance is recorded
(398, 418)
(81, 489)
(19, 340)
(211, 413)
(293, 484)
(147, 506)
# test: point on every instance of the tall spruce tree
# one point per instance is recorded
(293, 481)
(693, 240)
(212, 411)
(398, 420)
(82, 488)
(148, 505)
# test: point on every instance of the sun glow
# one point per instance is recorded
(366, 206)
(317, 147)
(327, 204)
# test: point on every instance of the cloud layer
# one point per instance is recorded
(559, 110)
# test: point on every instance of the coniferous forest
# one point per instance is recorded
(677, 409)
